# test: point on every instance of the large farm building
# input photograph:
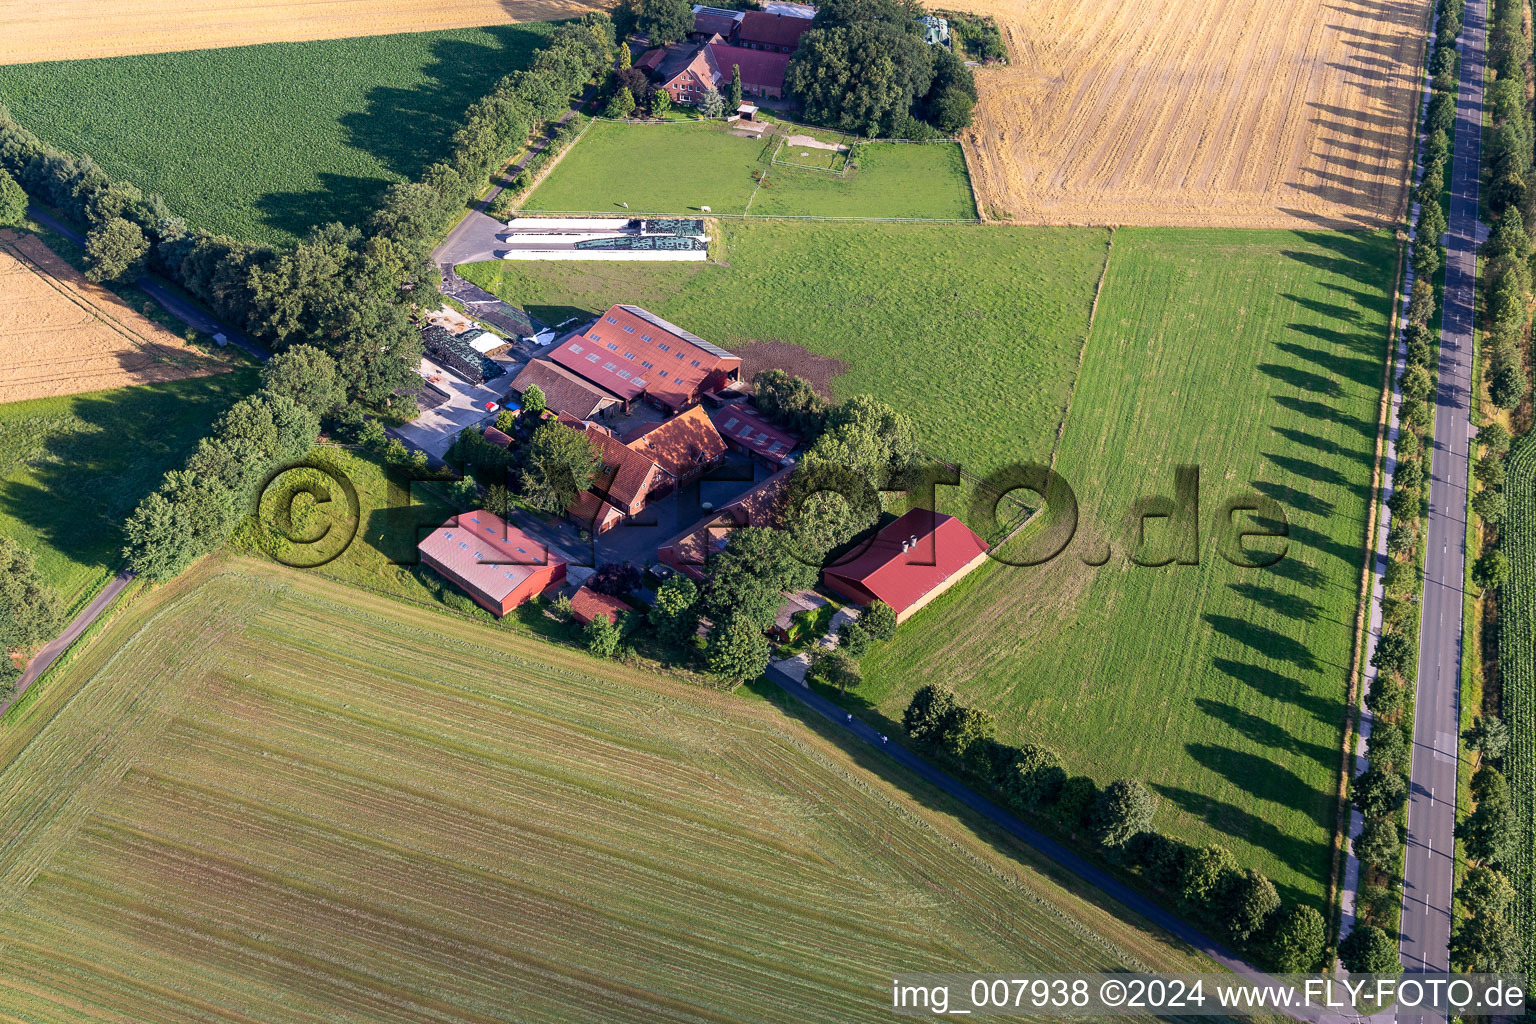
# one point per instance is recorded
(497, 565)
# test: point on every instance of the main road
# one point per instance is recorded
(1426, 919)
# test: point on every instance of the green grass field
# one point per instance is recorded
(1259, 357)
(975, 331)
(73, 468)
(678, 168)
(263, 142)
(288, 800)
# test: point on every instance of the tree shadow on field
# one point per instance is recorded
(340, 197)
(1292, 606)
(1307, 858)
(1264, 779)
(1265, 733)
(1300, 501)
(407, 129)
(1393, 11)
(1263, 640)
(93, 462)
(1296, 377)
(1323, 444)
(1314, 410)
(1358, 369)
(1280, 688)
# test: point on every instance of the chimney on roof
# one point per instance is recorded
(913, 540)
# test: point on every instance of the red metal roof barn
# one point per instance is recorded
(910, 562)
(497, 565)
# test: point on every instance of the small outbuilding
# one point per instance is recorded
(588, 604)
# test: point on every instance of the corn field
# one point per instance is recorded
(1517, 668)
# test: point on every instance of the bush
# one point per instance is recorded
(1077, 798)
(1035, 778)
(853, 639)
(601, 637)
(1369, 950)
(1122, 810)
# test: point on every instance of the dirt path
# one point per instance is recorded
(1282, 114)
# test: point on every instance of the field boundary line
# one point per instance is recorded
(544, 172)
(746, 210)
(1082, 350)
(770, 216)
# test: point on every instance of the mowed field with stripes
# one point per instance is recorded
(259, 796)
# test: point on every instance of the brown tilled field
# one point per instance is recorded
(1172, 112)
(35, 30)
(62, 335)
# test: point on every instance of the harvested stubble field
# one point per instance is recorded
(62, 335)
(35, 31)
(287, 800)
(1250, 114)
(1258, 357)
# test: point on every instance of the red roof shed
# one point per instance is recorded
(587, 604)
(910, 562)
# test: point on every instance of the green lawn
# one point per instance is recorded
(1259, 357)
(975, 331)
(262, 142)
(73, 468)
(681, 167)
(893, 179)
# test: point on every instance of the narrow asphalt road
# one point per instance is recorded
(474, 237)
(1427, 869)
(159, 290)
(57, 646)
(1046, 846)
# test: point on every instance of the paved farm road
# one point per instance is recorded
(1427, 870)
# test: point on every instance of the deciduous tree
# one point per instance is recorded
(116, 251)
(560, 464)
(1369, 950)
(1297, 940)
(736, 649)
(29, 607)
(13, 201)
(1123, 809)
